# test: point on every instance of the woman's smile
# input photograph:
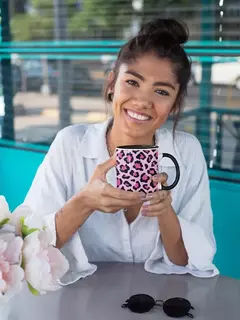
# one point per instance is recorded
(136, 116)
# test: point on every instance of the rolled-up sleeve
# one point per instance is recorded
(48, 194)
(196, 220)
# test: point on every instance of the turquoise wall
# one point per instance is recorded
(225, 198)
(18, 167)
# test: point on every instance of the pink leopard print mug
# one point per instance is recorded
(135, 166)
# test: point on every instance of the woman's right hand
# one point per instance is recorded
(96, 195)
(99, 195)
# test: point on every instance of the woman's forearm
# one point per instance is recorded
(70, 218)
(172, 238)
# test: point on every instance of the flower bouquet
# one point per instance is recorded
(27, 254)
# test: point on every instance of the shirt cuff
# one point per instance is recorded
(49, 222)
(73, 251)
(79, 267)
(199, 249)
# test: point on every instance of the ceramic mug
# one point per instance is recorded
(135, 166)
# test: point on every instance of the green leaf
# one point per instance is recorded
(32, 230)
(23, 263)
(25, 231)
(32, 290)
(3, 222)
(22, 221)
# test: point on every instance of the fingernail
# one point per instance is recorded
(144, 212)
(149, 196)
(164, 176)
(146, 203)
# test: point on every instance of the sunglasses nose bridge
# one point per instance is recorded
(159, 303)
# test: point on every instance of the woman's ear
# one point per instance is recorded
(111, 86)
(111, 81)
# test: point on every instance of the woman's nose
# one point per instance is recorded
(143, 102)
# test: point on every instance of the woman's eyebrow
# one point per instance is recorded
(158, 83)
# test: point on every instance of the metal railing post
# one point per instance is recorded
(6, 70)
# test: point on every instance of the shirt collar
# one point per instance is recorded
(93, 144)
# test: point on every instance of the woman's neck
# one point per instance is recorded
(116, 138)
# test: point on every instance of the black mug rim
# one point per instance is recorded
(137, 146)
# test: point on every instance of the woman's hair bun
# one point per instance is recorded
(171, 27)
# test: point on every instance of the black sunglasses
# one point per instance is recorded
(173, 307)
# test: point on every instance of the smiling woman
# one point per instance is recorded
(75, 186)
(155, 62)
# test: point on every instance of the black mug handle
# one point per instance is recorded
(167, 155)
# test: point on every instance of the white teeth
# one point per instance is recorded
(137, 116)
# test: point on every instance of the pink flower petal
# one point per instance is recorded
(13, 251)
(38, 273)
(3, 246)
(3, 286)
(45, 237)
(31, 245)
(14, 278)
(59, 264)
(44, 264)
(4, 265)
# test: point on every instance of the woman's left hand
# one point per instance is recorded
(159, 202)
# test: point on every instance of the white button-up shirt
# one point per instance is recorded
(67, 167)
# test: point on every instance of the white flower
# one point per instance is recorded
(26, 241)
(44, 265)
(4, 209)
(20, 212)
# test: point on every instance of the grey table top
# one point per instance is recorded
(100, 296)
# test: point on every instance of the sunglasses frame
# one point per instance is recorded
(174, 307)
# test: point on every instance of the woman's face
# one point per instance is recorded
(144, 94)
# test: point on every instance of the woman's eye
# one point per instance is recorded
(132, 82)
(162, 92)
